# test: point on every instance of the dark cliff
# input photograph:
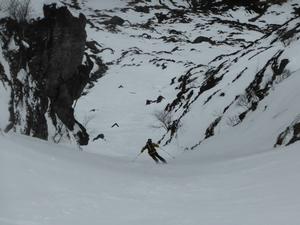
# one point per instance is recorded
(47, 74)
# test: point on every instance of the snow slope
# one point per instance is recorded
(144, 63)
(234, 178)
(48, 184)
(144, 60)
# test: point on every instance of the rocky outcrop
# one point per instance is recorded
(202, 83)
(47, 74)
(257, 6)
(290, 135)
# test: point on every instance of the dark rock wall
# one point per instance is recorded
(50, 51)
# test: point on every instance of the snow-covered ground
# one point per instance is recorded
(136, 74)
(46, 184)
(234, 178)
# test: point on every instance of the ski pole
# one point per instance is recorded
(167, 153)
(136, 157)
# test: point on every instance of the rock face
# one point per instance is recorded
(290, 135)
(50, 53)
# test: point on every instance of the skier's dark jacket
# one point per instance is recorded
(151, 148)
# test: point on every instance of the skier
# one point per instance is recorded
(152, 151)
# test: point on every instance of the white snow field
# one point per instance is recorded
(46, 184)
(235, 177)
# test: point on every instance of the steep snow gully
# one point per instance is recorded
(215, 84)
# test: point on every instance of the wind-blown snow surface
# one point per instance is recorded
(46, 184)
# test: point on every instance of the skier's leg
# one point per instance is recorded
(153, 156)
(161, 158)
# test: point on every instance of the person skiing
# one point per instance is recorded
(152, 151)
